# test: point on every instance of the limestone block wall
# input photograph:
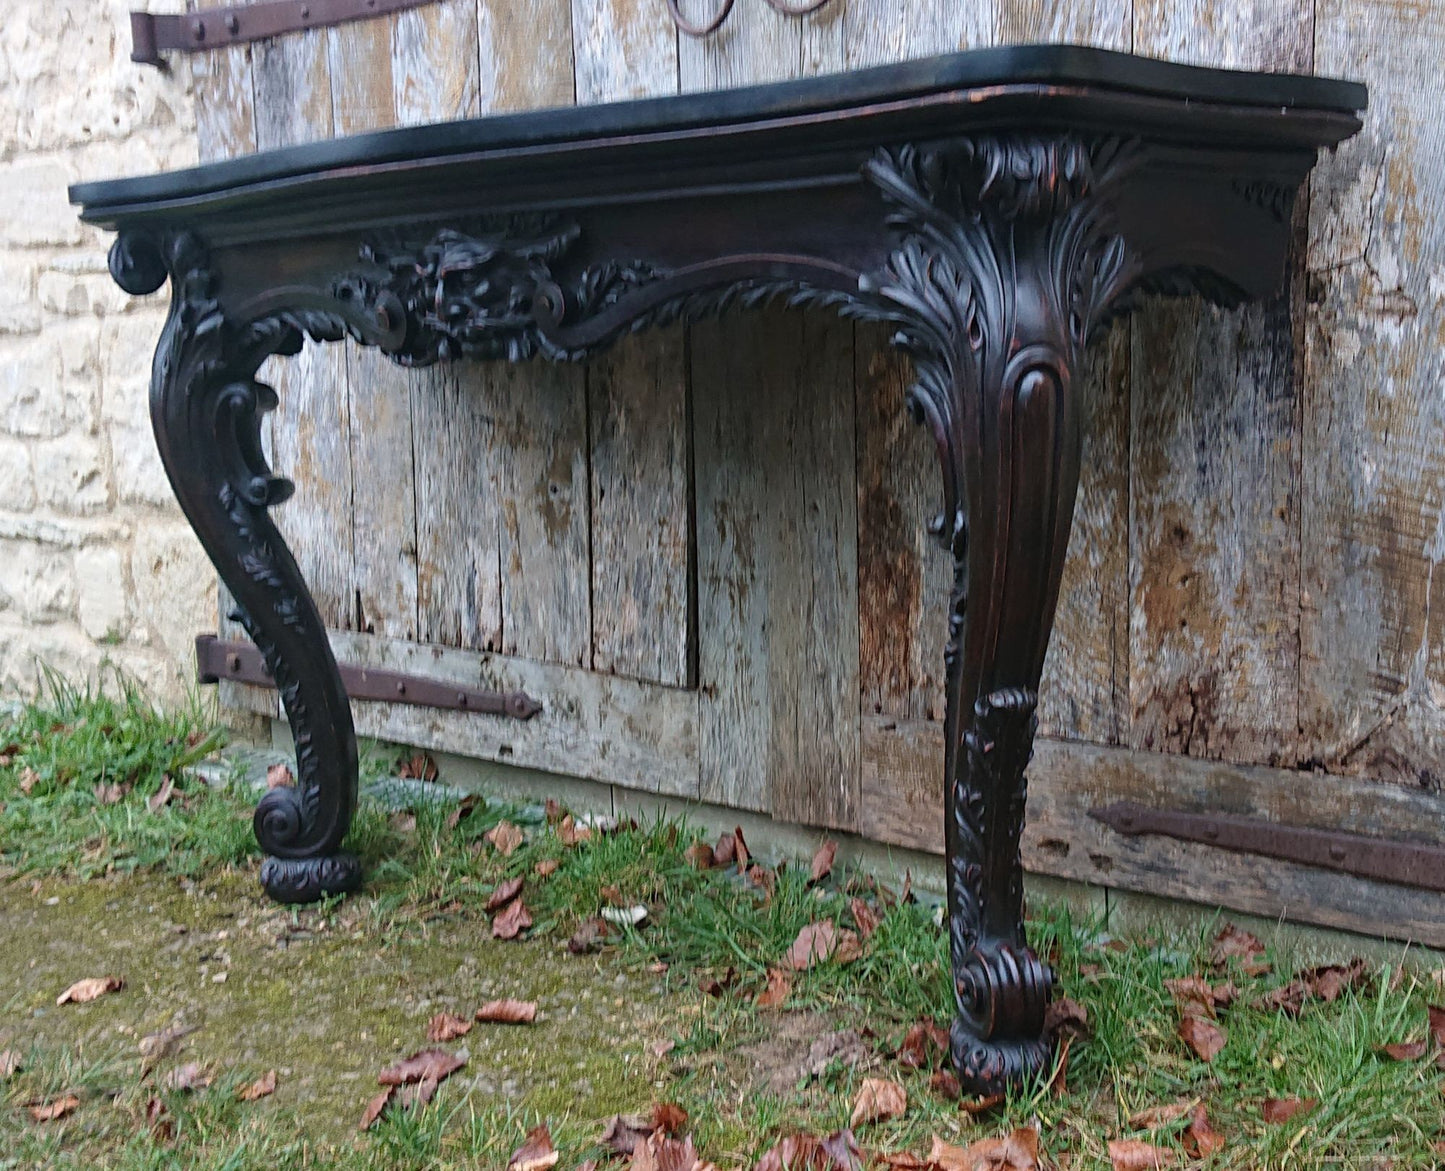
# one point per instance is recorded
(95, 559)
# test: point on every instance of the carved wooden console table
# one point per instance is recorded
(995, 207)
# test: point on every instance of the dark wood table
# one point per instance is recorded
(995, 207)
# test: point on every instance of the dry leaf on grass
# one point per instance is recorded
(699, 856)
(823, 861)
(924, 1043)
(161, 796)
(764, 879)
(808, 1152)
(53, 1111)
(944, 1083)
(1200, 1138)
(504, 837)
(536, 1153)
(1066, 1017)
(658, 1152)
(624, 1132)
(1283, 1109)
(159, 1121)
(512, 921)
(976, 1106)
(1198, 997)
(568, 833)
(154, 1046)
(375, 1108)
(1405, 1050)
(878, 1099)
(1157, 1116)
(279, 776)
(546, 867)
(780, 986)
(83, 991)
(10, 1063)
(588, 937)
(263, 1087)
(110, 793)
(864, 916)
(815, 943)
(447, 1026)
(191, 1076)
(508, 1012)
(418, 767)
(1203, 1036)
(504, 894)
(425, 1065)
(1128, 1154)
(1437, 1023)
(1234, 943)
(1018, 1151)
(29, 778)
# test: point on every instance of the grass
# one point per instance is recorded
(425, 873)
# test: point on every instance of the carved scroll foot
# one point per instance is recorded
(305, 880)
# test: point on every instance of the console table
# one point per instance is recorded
(995, 208)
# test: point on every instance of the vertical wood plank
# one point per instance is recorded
(776, 511)
(1106, 24)
(877, 32)
(525, 53)
(1372, 675)
(1215, 526)
(637, 404)
(311, 426)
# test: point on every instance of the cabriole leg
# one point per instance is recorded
(1007, 260)
(206, 408)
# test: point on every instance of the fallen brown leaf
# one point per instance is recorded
(162, 795)
(1405, 1050)
(944, 1083)
(512, 921)
(740, 849)
(536, 1153)
(568, 833)
(10, 1063)
(83, 991)
(447, 1026)
(1198, 996)
(1203, 1036)
(823, 861)
(660, 1049)
(425, 1065)
(53, 1111)
(849, 948)
(1283, 1109)
(418, 767)
(901, 1161)
(158, 1119)
(1329, 980)
(1066, 1017)
(1200, 1139)
(864, 916)
(878, 1099)
(1234, 943)
(764, 879)
(191, 1076)
(504, 893)
(375, 1107)
(815, 943)
(263, 1087)
(588, 937)
(624, 1132)
(553, 810)
(699, 856)
(925, 1042)
(29, 778)
(658, 1152)
(1128, 1154)
(504, 837)
(1157, 1116)
(508, 1012)
(780, 986)
(1437, 1023)
(546, 867)
(976, 1106)
(110, 793)
(807, 1152)
(669, 1116)
(463, 809)
(154, 1046)
(1018, 1151)
(279, 776)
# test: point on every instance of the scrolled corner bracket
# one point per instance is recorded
(137, 263)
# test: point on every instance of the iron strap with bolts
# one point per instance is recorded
(993, 209)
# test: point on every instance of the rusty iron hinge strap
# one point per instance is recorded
(1403, 863)
(241, 662)
(214, 28)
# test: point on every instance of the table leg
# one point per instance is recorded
(206, 408)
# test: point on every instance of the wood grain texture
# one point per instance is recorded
(601, 727)
(310, 429)
(777, 591)
(526, 54)
(877, 32)
(641, 479)
(1215, 465)
(757, 44)
(1106, 24)
(622, 49)
(1372, 680)
(1068, 779)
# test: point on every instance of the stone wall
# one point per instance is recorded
(96, 561)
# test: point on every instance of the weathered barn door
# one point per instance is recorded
(705, 552)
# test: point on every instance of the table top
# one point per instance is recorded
(1037, 69)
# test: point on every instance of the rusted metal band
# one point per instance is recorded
(213, 28)
(1404, 863)
(241, 662)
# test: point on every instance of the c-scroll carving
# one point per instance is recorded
(206, 408)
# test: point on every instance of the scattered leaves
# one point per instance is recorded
(878, 1099)
(546, 867)
(504, 837)
(447, 1026)
(53, 1111)
(154, 1046)
(161, 796)
(1196, 996)
(375, 1107)
(418, 767)
(191, 1076)
(1200, 1139)
(512, 921)
(263, 1087)
(279, 776)
(808, 1152)
(815, 943)
(508, 1012)
(1203, 1036)
(1128, 1154)
(1437, 1023)
(1234, 943)
(1405, 1050)
(1066, 1017)
(823, 861)
(84, 991)
(536, 1153)
(504, 894)
(1018, 1151)
(779, 988)
(463, 809)
(1156, 1116)
(944, 1083)
(699, 856)
(976, 1106)
(1283, 1109)
(864, 916)
(925, 1042)
(568, 833)
(426, 1065)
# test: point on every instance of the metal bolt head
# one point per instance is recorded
(233, 25)
(198, 29)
